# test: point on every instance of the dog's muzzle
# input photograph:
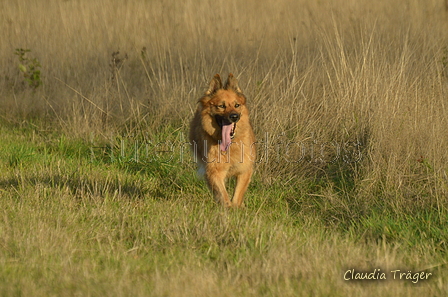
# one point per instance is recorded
(234, 117)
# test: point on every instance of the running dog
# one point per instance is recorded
(223, 141)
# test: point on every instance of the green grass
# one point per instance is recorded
(76, 225)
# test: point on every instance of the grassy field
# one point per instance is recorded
(98, 190)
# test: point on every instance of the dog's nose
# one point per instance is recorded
(234, 117)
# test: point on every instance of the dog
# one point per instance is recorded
(223, 141)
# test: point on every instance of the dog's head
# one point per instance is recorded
(225, 105)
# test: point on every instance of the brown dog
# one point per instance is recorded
(223, 140)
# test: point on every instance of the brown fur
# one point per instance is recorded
(205, 135)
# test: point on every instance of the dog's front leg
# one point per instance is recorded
(216, 182)
(242, 182)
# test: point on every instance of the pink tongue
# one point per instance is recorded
(225, 142)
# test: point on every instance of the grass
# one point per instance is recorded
(77, 225)
(99, 195)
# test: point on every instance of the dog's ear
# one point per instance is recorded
(215, 85)
(232, 84)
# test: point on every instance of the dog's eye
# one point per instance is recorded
(237, 105)
(222, 106)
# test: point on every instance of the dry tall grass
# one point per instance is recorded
(342, 80)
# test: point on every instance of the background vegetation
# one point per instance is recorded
(98, 192)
